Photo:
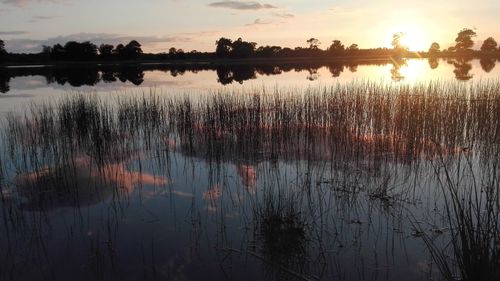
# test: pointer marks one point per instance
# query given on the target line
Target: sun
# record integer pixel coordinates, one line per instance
(413, 37)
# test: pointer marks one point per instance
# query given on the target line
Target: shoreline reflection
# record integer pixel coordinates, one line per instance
(136, 75)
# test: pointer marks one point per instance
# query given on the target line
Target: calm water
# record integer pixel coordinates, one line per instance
(171, 191)
(22, 85)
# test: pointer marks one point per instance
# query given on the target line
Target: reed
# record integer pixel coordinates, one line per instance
(350, 139)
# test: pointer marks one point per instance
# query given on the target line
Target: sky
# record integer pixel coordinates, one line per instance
(26, 25)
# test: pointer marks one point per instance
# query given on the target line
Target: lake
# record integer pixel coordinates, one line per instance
(22, 84)
(337, 171)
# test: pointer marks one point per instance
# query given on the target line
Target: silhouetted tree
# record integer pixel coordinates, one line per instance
(489, 45)
(269, 51)
(80, 51)
(119, 49)
(464, 39)
(180, 54)
(2, 46)
(353, 47)
(336, 47)
(57, 52)
(106, 50)
(242, 49)
(434, 48)
(172, 53)
(132, 50)
(46, 49)
(224, 47)
(451, 49)
(396, 41)
(399, 49)
(313, 43)
(3, 52)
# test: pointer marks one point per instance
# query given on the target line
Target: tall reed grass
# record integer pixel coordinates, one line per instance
(351, 131)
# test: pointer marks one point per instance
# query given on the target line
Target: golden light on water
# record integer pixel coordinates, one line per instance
(415, 70)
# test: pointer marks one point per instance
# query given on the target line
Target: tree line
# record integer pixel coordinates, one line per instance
(239, 49)
(464, 43)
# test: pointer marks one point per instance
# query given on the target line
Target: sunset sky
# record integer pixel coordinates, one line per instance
(26, 25)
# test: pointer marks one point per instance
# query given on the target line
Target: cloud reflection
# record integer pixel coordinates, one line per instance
(80, 182)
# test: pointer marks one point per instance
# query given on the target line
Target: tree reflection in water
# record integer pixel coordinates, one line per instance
(226, 73)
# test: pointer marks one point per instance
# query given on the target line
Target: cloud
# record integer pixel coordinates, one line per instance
(241, 5)
(24, 3)
(42, 18)
(283, 15)
(259, 22)
(14, 32)
(35, 46)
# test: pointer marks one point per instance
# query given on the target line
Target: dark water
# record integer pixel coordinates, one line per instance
(348, 184)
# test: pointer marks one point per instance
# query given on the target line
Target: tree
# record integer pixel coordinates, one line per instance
(46, 49)
(3, 52)
(106, 50)
(132, 50)
(224, 47)
(353, 47)
(336, 46)
(119, 49)
(489, 45)
(313, 43)
(268, 51)
(434, 48)
(2, 47)
(464, 39)
(58, 52)
(79, 51)
(396, 41)
(243, 49)
(174, 53)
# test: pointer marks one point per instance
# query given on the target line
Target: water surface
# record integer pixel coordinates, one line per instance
(248, 174)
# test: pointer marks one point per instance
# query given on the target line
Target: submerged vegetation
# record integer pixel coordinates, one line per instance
(328, 174)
